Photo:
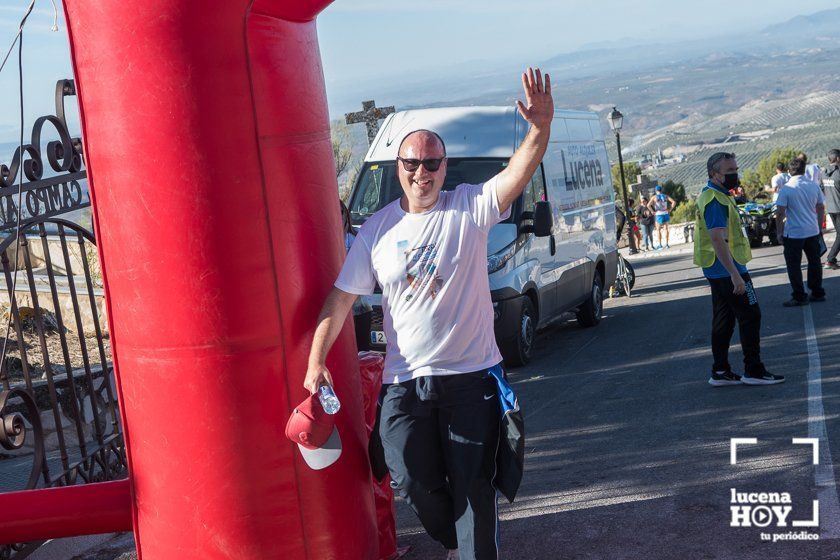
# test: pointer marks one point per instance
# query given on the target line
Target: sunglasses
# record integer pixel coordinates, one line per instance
(412, 165)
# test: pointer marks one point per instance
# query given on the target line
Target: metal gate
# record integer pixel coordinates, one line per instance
(59, 420)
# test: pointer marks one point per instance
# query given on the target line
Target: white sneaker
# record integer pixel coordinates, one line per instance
(452, 554)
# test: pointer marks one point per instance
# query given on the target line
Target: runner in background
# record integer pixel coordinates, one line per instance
(661, 204)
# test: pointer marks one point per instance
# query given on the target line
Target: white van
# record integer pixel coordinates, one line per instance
(557, 250)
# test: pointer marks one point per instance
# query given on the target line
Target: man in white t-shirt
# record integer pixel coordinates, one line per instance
(440, 412)
(799, 214)
(812, 170)
(779, 179)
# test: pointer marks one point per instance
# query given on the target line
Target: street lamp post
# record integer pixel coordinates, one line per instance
(616, 119)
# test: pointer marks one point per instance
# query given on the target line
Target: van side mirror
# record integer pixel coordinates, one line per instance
(542, 220)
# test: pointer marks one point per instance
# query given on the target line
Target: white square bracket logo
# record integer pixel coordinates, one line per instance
(746, 511)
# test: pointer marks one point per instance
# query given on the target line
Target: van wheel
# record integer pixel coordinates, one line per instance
(589, 314)
(518, 351)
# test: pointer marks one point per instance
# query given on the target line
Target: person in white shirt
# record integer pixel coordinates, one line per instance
(799, 217)
(812, 170)
(440, 414)
(779, 179)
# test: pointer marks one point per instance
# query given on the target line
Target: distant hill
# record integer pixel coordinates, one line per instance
(748, 94)
(821, 24)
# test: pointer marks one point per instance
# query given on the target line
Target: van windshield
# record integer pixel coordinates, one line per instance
(378, 185)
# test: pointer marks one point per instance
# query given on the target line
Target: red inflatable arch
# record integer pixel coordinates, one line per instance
(215, 205)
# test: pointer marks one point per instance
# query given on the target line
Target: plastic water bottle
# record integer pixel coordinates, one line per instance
(328, 399)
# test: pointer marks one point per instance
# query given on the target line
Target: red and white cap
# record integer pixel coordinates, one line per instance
(315, 433)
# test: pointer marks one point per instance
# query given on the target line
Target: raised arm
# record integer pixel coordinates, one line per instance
(538, 110)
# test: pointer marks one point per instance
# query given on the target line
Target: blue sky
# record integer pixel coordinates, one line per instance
(367, 43)
(361, 37)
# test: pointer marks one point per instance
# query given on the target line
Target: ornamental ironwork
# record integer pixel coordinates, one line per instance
(59, 419)
(49, 180)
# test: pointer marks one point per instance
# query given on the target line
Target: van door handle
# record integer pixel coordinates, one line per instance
(552, 245)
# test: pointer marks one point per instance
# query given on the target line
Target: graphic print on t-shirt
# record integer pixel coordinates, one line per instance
(421, 270)
(660, 204)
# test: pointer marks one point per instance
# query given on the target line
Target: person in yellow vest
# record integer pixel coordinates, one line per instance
(722, 250)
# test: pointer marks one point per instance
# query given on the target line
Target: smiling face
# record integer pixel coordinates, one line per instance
(421, 188)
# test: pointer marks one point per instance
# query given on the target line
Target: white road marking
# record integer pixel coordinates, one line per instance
(824, 471)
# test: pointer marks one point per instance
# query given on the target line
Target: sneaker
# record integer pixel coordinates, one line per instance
(816, 298)
(452, 554)
(831, 265)
(793, 302)
(765, 378)
(667, 246)
(724, 379)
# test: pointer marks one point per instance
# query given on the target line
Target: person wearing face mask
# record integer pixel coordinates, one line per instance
(722, 250)
(831, 186)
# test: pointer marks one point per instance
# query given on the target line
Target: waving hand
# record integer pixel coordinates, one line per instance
(538, 108)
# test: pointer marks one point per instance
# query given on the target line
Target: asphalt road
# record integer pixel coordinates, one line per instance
(628, 447)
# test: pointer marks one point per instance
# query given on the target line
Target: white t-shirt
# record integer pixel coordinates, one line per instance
(813, 173)
(777, 182)
(800, 197)
(436, 307)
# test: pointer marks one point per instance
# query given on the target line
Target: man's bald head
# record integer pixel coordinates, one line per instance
(424, 135)
(421, 169)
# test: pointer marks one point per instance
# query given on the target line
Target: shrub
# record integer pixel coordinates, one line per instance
(685, 212)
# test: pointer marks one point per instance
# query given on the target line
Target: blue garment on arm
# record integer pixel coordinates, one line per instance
(716, 215)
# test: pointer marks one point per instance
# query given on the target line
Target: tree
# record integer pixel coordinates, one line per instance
(674, 190)
(754, 180)
(631, 170)
(752, 183)
(345, 187)
(341, 145)
(686, 212)
(766, 168)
